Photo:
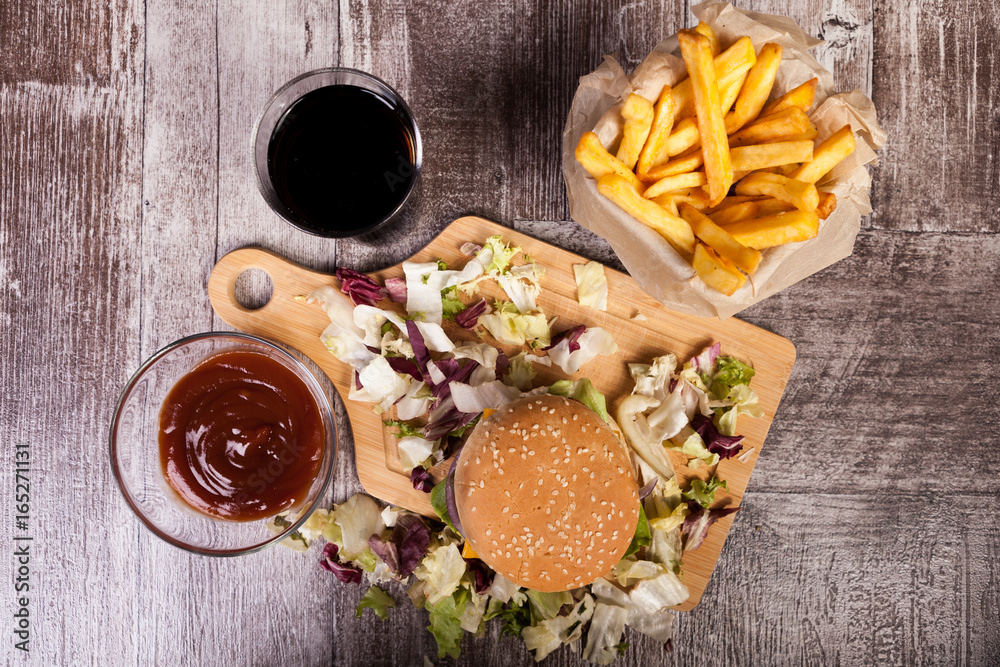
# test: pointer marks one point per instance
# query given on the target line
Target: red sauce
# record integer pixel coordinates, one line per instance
(241, 437)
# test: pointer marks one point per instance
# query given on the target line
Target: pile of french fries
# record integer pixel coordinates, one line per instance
(680, 156)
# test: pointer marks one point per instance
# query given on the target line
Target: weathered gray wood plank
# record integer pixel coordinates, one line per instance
(936, 68)
(876, 497)
(70, 193)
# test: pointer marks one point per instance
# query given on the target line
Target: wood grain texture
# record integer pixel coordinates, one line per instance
(939, 104)
(876, 495)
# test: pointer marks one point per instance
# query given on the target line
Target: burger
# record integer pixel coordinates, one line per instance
(545, 493)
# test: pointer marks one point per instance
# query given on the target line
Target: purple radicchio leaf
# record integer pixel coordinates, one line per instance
(412, 537)
(450, 445)
(482, 575)
(648, 489)
(726, 446)
(573, 335)
(503, 363)
(446, 418)
(469, 318)
(387, 551)
(697, 523)
(470, 249)
(406, 546)
(421, 479)
(397, 289)
(357, 382)
(348, 574)
(449, 496)
(705, 362)
(452, 373)
(420, 352)
(358, 286)
(405, 367)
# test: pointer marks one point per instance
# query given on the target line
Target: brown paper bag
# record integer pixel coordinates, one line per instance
(653, 263)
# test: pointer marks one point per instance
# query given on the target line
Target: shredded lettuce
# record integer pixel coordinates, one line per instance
(512, 327)
(358, 518)
(446, 622)
(703, 493)
(592, 342)
(585, 392)
(377, 600)
(591, 285)
(729, 373)
(642, 535)
(496, 255)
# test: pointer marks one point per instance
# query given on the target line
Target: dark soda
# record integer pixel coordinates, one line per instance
(341, 159)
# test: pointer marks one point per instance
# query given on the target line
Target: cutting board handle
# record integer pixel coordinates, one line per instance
(284, 275)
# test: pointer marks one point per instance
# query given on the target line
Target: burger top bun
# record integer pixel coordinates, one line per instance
(546, 494)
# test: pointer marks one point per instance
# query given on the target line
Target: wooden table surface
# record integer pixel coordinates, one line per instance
(869, 532)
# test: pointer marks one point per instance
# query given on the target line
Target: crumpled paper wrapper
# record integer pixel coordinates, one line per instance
(651, 261)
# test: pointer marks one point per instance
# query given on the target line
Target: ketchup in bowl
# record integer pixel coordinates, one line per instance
(241, 437)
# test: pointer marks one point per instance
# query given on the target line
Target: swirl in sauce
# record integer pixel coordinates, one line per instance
(241, 437)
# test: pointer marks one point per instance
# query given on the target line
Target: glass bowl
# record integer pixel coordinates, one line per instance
(293, 91)
(135, 450)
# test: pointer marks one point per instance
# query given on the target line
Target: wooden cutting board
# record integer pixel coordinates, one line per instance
(642, 327)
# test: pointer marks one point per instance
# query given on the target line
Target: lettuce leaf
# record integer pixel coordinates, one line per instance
(642, 535)
(446, 622)
(704, 493)
(585, 392)
(591, 285)
(729, 373)
(377, 600)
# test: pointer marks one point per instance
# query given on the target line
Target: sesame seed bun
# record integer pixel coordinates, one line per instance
(546, 493)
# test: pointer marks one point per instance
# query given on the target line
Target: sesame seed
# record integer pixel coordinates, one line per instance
(548, 510)
(575, 416)
(555, 492)
(477, 460)
(500, 470)
(540, 482)
(514, 425)
(583, 429)
(564, 420)
(506, 509)
(621, 514)
(531, 452)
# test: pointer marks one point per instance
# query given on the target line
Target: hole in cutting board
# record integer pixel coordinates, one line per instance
(253, 289)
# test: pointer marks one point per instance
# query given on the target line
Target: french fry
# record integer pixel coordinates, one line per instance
(732, 200)
(686, 135)
(799, 194)
(716, 272)
(638, 114)
(752, 209)
(598, 162)
(778, 229)
(678, 165)
(774, 127)
(762, 156)
(785, 125)
(827, 155)
(800, 97)
(827, 205)
(674, 229)
(692, 179)
(697, 54)
(696, 197)
(735, 213)
(659, 131)
(713, 39)
(721, 241)
(757, 88)
(730, 65)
